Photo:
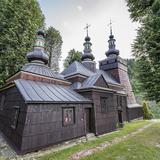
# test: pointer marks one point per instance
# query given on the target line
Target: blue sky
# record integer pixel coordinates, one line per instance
(71, 16)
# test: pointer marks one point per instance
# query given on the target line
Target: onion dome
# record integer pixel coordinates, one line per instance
(112, 47)
(38, 54)
(87, 56)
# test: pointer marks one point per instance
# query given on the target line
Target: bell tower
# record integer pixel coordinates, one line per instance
(117, 67)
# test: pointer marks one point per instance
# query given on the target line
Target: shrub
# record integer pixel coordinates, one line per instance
(147, 114)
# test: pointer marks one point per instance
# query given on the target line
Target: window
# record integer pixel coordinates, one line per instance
(15, 117)
(104, 105)
(68, 116)
(2, 102)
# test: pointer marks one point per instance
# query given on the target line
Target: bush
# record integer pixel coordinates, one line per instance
(147, 114)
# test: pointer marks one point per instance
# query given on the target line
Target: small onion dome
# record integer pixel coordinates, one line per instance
(112, 51)
(111, 36)
(87, 38)
(41, 32)
(87, 56)
(39, 55)
(87, 49)
(112, 47)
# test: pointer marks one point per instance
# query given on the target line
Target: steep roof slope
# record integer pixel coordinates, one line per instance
(76, 68)
(40, 92)
(92, 80)
(40, 69)
(109, 78)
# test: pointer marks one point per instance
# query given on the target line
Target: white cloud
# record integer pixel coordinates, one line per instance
(80, 8)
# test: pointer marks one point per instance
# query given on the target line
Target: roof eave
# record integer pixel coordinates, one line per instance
(75, 75)
(96, 89)
(58, 102)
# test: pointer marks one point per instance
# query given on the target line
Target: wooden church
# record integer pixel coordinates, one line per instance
(39, 108)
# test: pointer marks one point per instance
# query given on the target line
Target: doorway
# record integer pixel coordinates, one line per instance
(88, 120)
(120, 118)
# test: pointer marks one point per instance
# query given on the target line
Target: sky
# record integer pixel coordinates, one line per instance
(71, 16)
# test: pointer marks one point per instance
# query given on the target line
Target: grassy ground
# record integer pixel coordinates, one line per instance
(66, 153)
(143, 146)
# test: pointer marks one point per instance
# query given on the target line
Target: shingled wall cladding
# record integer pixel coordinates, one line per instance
(135, 113)
(44, 125)
(12, 98)
(104, 122)
(123, 106)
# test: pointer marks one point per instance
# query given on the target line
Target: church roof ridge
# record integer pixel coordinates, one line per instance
(76, 68)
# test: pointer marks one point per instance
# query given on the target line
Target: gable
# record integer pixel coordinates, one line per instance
(101, 82)
(95, 80)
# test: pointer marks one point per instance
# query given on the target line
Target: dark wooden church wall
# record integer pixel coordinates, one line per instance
(105, 122)
(88, 94)
(135, 113)
(12, 99)
(44, 125)
(124, 108)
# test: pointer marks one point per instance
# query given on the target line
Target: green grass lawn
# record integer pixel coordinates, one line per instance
(66, 153)
(143, 146)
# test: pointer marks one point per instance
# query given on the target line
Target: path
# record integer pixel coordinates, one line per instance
(7, 152)
(103, 146)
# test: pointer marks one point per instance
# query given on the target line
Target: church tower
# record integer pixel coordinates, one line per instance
(117, 67)
(87, 57)
(38, 55)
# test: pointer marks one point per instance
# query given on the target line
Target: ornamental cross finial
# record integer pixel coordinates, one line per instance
(86, 28)
(110, 25)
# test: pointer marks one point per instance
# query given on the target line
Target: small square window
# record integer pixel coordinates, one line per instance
(68, 116)
(15, 117)
(104, 105)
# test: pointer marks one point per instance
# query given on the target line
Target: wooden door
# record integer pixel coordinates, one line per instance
(88, 120)
(120, 116)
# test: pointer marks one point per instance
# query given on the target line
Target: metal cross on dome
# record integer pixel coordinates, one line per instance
(110, 25)
(86, 28)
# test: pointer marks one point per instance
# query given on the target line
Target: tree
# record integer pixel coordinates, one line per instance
(133, 73)
(146, 46)
(73, 55)
(139, 8)
(146, 111)
(53, 47)
(19, 21)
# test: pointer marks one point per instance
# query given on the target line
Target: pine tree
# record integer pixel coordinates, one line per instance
(19, 21)
(146, 47)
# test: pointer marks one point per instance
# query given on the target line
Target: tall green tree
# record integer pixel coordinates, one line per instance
(73, 55)
(19, 20)
(133, 72)
(146, 47)
(53, 47)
